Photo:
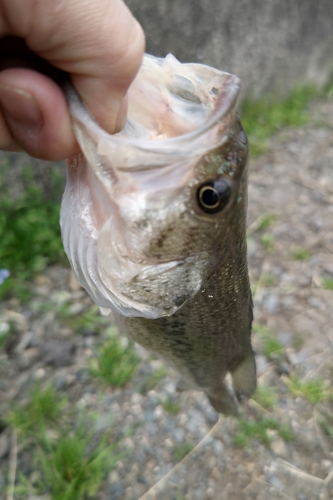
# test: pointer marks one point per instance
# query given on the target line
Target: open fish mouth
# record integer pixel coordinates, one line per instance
(126, 193)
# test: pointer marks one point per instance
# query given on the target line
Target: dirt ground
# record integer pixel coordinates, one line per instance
(291, 269)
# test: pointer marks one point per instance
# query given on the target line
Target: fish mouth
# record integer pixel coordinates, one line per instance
(157, 142)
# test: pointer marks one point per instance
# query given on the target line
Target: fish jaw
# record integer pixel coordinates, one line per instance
(127, 188)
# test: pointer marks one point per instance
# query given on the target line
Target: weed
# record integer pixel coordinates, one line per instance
(262, 118)
(116, 363)
(91, 321)
(271, 346)
(326, 423)
(328, 283)
(250, 429)
(266, 396)
(268, 280)
(71, 468)
(267, 239)
(313, 390)
(44, 406)
(300, 253)
(297, 341)
(182, 450)
(265, 221)
(29, 234)
(170, 406)
(153, 379)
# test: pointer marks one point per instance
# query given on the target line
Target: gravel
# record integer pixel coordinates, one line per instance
(293, 182)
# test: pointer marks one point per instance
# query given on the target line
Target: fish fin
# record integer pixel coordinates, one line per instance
(222, 401)
(244, 378)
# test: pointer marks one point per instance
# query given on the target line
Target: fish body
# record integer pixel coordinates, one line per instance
(154, 223)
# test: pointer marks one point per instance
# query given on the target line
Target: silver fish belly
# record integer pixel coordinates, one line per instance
(153, 222)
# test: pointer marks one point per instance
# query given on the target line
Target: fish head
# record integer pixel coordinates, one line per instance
(147, 213)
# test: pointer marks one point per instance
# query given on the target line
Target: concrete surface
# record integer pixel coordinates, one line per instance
(272, 45)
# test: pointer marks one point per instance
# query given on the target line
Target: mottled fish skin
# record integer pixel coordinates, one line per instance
(145, 241)
(211, 334)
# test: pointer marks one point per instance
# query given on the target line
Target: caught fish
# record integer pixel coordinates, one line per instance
(153, 222)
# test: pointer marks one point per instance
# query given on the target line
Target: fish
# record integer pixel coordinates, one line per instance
(153, 222)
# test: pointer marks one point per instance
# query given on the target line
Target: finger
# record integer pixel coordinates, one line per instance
(99, 43)
(34, 116)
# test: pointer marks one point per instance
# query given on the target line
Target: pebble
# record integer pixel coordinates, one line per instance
(271, 303)
(58, 352)
(279, 448)
(24, 342)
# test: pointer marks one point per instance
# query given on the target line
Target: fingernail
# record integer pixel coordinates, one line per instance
(21, 110)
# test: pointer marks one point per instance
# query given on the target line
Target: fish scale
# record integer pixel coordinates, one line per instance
(154, 224)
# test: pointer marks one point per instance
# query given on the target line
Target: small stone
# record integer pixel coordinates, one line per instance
(76, 309)
(179, 435)
(4, 443)
(211, 416)
(29, 357)
(73, 284)
(58, 352)
(279, 448)
(60, 297)
(285, 338)
(4, 328)
(116, 491)
(39, 374)
(271, 303)
(24, 342)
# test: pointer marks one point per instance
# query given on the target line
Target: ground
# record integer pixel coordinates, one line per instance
(281, 446)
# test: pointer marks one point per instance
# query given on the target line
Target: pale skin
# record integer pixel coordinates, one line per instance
(100, 45)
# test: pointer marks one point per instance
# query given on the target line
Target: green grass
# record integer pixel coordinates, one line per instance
(314, 391)
(44, 406)
(170, 406)
(270, 345)
(266, 396)
(182, 450)
(69, 458)
(300, 253)
(328, 283)
(73, 469)
(265, 221)
(29, 234)
(267, 240)
(250, 429)
(116, 363)
(263, 118)
(153, 379)
(268, 280)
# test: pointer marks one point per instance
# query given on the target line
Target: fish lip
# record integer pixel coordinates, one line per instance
(225, 103)
(80, 113)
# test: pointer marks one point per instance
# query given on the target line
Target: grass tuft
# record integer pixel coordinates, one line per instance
(250, 429)
(271, 346)
(263, 118)
(266, 396)
(300, 254)
(116, 362)
(29, 234)
(44, 406)
(328, 283)
(71, 469)
(182, 450)
(314, 391)
(267, 240)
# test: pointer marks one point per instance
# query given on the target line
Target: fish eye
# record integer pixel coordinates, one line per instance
(213, 196)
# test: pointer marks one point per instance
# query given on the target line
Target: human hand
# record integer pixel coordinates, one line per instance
(100, 45)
